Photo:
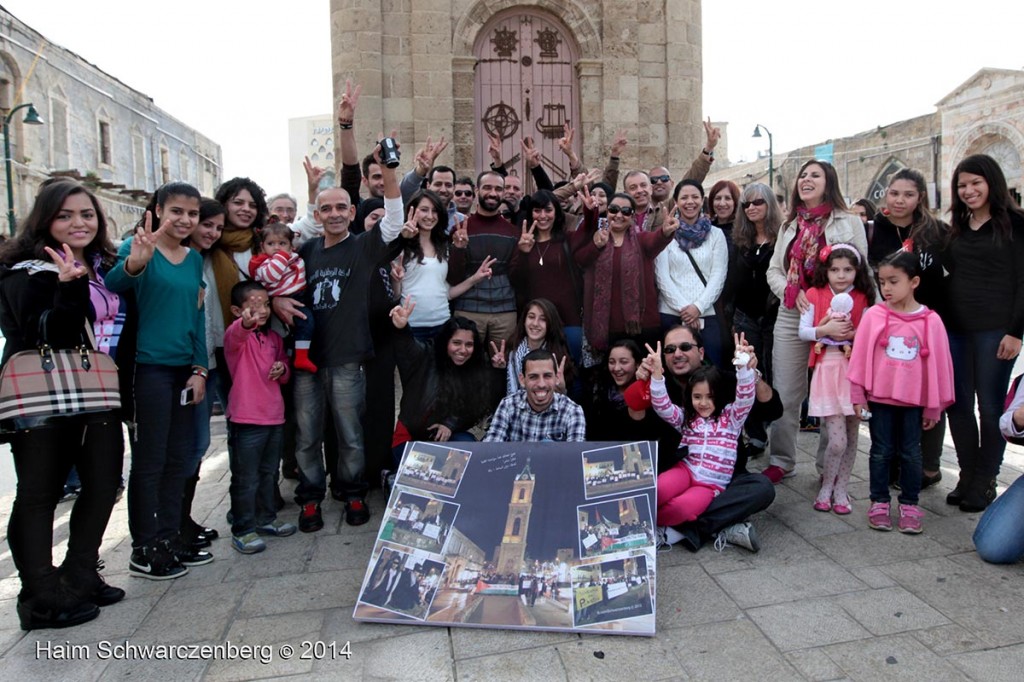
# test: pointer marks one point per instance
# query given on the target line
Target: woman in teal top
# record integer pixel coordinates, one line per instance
(170, 376)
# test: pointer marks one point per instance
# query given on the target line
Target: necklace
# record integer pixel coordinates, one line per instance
(544, 252)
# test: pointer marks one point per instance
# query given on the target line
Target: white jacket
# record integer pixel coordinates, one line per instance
(678, 283)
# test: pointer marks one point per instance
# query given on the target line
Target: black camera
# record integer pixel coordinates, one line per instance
(389, 154)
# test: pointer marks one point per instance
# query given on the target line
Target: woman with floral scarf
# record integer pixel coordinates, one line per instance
(818, 216)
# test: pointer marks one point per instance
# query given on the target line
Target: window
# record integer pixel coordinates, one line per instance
(517, 526)
(58, 128)
(165, 165)
(138, 160)
(106, 156)
(183, 173)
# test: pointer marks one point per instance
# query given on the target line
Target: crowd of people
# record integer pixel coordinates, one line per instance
(578, 311)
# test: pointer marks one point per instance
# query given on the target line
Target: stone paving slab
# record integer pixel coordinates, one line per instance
(825, 599)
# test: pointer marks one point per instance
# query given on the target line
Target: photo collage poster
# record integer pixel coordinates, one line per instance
(529, 536)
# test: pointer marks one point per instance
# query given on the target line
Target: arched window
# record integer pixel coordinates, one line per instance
(517, 526)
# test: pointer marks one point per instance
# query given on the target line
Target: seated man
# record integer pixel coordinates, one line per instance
(538, 412)
(725, 519)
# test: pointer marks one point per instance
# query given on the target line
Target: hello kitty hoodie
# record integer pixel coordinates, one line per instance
(902, 359)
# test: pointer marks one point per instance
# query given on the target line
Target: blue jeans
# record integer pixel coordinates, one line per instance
(204, 413)
(999, 537)
(711, 334)
(977, 371)
(338, 393)
(164, 440)
(895, 430)
(254, 452)
(425, 334)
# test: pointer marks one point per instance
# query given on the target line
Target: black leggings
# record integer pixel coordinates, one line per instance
(42, 459)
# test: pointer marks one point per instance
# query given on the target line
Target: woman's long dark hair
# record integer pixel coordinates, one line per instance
(543, 198)
(34, 233)
(162, 195)
(1000, 203)
(411, 248)
(926, 230)
(463, 391)
(554, 340)
(227, 191)
(833, 194)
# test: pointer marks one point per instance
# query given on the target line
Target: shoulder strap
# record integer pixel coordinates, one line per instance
(696, 268)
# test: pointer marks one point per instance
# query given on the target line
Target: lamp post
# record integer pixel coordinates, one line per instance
(31, 118)
(771, 154)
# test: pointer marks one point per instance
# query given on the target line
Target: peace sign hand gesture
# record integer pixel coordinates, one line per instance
(560, 375)
(347, 103)
(498, 360)
(314, 174)
(68, 269)
(494, 149)
(460, 237)
(653, 360)
(410, 229)
(565, 144)
(143, 244)
(527, 240)
(401, 312)
(670, 225)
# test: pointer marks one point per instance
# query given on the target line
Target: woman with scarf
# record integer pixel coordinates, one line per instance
(691, 273)
(818, 215)
(620, 298)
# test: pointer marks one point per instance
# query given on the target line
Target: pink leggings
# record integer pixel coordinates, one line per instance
(680, 497)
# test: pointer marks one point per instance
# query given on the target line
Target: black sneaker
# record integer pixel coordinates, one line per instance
(310, 518)
(187, 555)
(356, 512)
(58, 608)
(155, 563)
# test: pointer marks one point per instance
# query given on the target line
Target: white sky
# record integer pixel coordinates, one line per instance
(238, 70)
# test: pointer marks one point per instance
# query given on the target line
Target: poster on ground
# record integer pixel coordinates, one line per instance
(527, 536)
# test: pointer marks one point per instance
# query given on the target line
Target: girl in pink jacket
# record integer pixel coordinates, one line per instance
(901, 371)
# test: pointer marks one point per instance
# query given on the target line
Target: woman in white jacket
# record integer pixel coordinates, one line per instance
(818, 215)
(691, 271)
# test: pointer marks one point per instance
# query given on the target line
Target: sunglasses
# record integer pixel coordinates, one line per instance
(463, 192)
(685, 347)
(753, 202)
(624, 210)
(661, 178)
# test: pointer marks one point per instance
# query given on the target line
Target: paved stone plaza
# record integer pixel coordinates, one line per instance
(826, 599)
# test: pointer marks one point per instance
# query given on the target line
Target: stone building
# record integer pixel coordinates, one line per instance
(985, 114)
(512, 68)
(96, 129)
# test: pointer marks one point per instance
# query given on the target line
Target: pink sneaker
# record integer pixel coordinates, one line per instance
(775, 473)
(910, 519)
(878, 516)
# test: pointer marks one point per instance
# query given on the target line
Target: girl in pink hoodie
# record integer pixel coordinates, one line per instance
(901, 371)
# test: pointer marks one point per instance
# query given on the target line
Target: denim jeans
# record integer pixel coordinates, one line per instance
(337, 393)
(42, 459)
(977, 371)
(999, 537)
(711, 334)
(895, 431)
(254, 452)
(164, 441)
(204, 413)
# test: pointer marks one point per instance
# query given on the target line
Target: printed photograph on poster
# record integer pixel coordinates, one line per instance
(433, 468)
(510, 539)
(611, 591)
(401, 582)
(617, 469)
(418, 522)
(616, 525)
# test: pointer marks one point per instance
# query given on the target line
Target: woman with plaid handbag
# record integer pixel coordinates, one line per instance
(54, 266)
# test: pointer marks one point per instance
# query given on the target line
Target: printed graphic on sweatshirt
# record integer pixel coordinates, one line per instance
(903, 348)
(327, 285)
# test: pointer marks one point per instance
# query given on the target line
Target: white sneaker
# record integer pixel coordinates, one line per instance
(739, 534)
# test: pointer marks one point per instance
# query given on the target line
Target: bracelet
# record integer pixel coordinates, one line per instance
(345, 126)
(709, 154)
(200, 372)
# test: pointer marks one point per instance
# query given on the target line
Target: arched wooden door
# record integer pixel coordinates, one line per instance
(525, 86)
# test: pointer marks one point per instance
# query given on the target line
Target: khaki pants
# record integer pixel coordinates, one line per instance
(492, 327)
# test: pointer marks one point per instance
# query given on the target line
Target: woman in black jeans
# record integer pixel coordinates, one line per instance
(55, 266)
(757, 225)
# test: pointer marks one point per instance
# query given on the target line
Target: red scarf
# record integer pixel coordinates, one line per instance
(803, 251)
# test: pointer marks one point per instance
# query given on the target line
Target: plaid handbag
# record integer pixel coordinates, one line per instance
(38, 385)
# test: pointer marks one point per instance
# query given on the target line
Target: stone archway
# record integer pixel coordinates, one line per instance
(1001, 141)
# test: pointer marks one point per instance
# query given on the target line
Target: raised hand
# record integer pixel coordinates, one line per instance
(397, 271)
(401, 312)
(494, 149)
(744, 349)
(560, 375)
(314, 174)
(670, 225)
(411, 228)
(68, 269)
(248, 317)
(619, 143)
(143, 245)
(565, 145)
(584, 193)
(460, 236)
(527, 240)
(712, 134)
(498, 360)
(484, 271)
(530, 153)
(347, 103)
(653, 361)
(601, 238)
(377, 150)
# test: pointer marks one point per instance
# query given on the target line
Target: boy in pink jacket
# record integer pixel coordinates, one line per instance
(258, 365)
(901, 377)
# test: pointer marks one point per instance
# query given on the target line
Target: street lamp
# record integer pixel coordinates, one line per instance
(32, 118)
(771, 154)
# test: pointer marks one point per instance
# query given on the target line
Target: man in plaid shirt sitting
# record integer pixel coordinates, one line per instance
(538, 412)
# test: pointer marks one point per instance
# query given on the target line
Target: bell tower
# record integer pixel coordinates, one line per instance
(512, 551)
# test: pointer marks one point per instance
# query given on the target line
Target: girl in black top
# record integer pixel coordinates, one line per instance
(985, 319)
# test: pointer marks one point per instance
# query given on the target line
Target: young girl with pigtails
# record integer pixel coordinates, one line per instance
(841, 289)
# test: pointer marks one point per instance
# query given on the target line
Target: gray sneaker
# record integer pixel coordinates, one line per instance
(250, 543)
(661, 540)
(739, 534)
(277, 528)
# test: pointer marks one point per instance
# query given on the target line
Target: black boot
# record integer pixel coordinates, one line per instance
(51, 605)
(979, 496)
(84, 580)
(956, 495)
(193, 533)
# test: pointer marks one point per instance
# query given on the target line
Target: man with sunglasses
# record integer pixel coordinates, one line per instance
(725, 520)
(462, 197)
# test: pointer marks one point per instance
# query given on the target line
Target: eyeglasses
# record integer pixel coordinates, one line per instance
(685, 347)
(661, 178)
(624, 210)
(463, 192)
(752, 202)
